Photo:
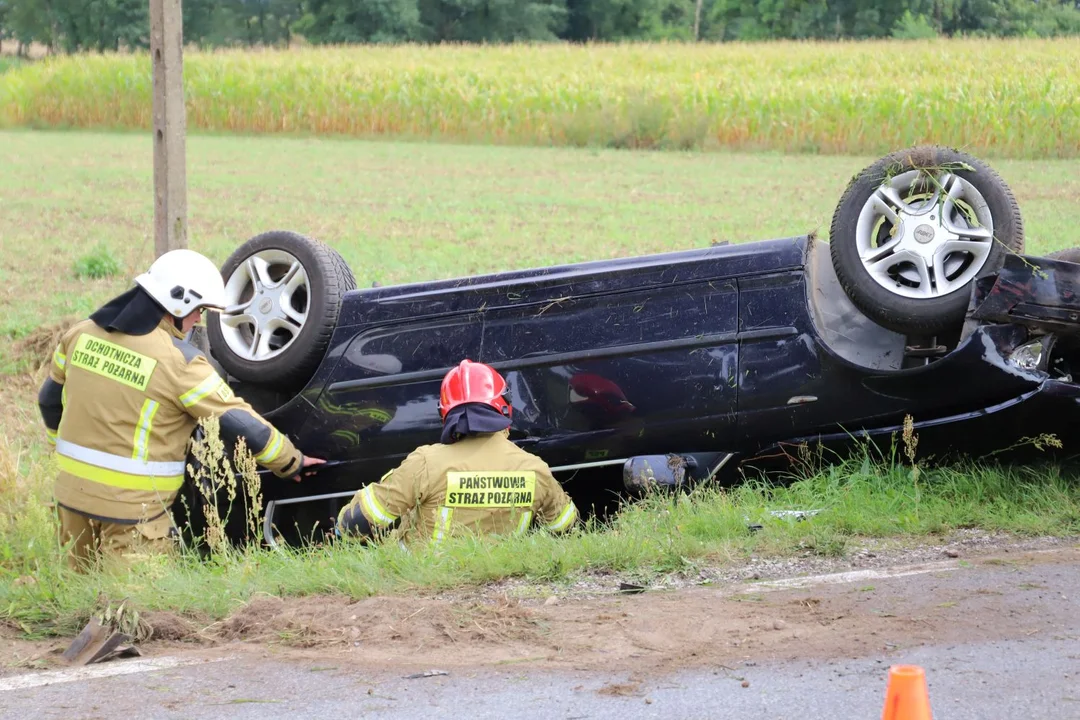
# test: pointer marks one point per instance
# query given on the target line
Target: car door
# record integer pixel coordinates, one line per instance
(604, 375)
(382, 398)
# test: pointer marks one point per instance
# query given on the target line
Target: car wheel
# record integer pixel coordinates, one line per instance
(284, 292)
(1068, 255)
(915, 229)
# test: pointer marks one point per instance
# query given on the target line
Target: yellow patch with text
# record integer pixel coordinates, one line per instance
(490, 489)
(112, 361)
(224, 392)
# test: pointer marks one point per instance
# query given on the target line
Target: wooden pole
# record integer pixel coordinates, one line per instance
(170, 175)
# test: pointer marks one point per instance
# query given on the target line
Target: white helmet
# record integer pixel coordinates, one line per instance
(182, 281)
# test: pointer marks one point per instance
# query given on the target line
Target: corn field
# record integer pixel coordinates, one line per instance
(1000, 98)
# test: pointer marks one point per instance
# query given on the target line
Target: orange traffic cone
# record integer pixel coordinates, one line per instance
(906, 697)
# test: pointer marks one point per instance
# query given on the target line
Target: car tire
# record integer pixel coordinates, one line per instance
(1068, 254)
(303, 283)
(908, 194)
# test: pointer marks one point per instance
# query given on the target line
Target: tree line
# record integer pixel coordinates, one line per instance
(67, 26)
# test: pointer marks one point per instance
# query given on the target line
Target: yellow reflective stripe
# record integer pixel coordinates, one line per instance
(63, 396)
(59, 358)
(118, 462)
(373, 508)
(197, 393)
(115, 478)
(442, 523)
(51, 436)
(141, 445)
(525, 521)
(273, 449)
(566, 517)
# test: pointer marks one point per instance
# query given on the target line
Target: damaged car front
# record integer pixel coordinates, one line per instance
(1005, 390)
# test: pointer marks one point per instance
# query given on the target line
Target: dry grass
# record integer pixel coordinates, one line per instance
(35, 349)
(10, 456)
(1011, 98)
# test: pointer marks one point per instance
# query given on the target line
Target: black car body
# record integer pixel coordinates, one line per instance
(725, 355)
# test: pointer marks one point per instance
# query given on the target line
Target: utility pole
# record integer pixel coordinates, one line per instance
(170, 175)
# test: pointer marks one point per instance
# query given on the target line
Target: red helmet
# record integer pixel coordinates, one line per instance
(473, 382)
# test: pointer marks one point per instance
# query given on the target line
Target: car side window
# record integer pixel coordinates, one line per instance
(432, 344)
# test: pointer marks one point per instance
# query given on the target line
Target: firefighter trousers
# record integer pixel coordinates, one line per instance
(91, 538)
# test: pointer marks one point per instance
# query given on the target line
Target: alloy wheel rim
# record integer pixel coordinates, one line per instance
(924, 235)
(268, 298)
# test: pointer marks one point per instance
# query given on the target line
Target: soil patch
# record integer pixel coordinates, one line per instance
(36, 348)
(170, 627)
(18, 655)
(381, 622)
(720, 628)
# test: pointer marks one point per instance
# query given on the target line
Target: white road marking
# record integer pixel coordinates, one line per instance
(894, 572)
(94, 672)
(851, 576)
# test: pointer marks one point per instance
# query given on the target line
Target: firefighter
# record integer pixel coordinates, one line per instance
(121, 401)
(475, 479)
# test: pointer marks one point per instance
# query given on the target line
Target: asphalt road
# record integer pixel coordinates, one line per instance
(1035, 675)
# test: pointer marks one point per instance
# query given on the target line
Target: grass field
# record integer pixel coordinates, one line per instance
(1001, 98)
(403, 212)
(9, 63)
(76, 219)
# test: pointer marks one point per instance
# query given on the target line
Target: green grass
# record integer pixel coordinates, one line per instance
(661, 535)
(96, 264)
(9, 63)
(1003, 98)
(401, 212)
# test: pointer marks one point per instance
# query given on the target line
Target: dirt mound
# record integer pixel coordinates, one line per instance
(37, 347)
(379, 622)
(170, 627)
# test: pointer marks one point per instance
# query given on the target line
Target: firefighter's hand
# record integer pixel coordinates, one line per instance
(307, 462)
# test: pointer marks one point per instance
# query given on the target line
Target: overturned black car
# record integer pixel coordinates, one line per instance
(720, 357)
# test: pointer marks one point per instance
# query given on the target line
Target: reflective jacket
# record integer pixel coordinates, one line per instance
(120, 410)
(484, 483)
